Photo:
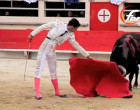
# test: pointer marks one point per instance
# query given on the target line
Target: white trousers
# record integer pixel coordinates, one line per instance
(46, 50)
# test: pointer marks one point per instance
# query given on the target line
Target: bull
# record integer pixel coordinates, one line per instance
(126, 54)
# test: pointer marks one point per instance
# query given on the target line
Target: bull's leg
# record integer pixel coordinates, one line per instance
(136, 80)
(130, 80)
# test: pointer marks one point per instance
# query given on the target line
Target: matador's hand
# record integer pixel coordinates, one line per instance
(90, 57)
(30, 37)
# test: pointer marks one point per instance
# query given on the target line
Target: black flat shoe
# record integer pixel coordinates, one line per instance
(127, 96)
(38, 98)
(63, 96)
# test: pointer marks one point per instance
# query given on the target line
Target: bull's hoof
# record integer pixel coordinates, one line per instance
(130, 89)
(136, 86)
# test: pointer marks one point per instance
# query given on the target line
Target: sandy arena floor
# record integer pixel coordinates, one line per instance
(17, 94)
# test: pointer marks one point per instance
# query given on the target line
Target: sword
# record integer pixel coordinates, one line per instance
(27, 60)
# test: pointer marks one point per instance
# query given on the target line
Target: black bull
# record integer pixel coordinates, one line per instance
(126, 54)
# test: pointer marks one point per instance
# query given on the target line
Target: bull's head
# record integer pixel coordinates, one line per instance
(130, 45)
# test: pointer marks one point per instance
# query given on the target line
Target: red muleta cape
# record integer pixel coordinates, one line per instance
(95, 77)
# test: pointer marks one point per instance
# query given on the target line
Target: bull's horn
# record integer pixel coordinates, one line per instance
(123, 69)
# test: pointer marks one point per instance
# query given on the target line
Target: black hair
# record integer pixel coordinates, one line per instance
(74, 22)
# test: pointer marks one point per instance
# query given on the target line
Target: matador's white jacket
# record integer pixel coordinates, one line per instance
(57, 28)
